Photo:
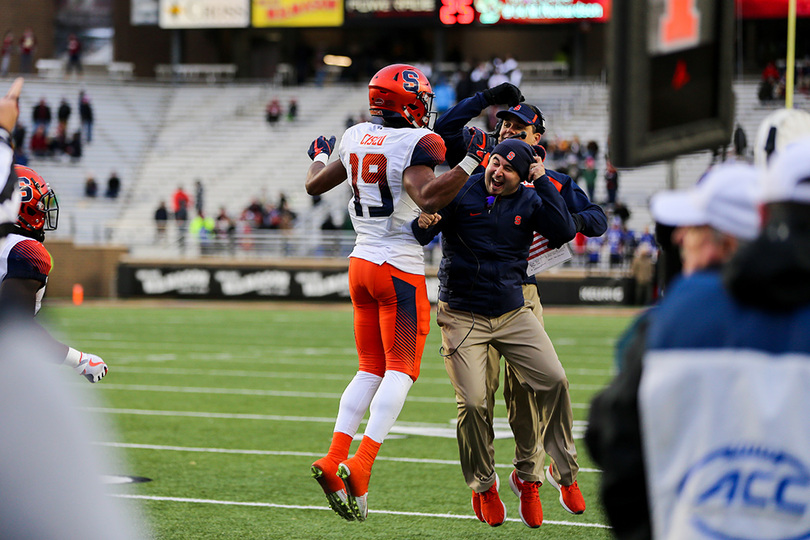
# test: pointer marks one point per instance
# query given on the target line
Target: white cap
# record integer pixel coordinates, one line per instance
(725, 199)
(788, 176)
(777, 130)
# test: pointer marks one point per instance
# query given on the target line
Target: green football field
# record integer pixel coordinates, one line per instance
(224, 407)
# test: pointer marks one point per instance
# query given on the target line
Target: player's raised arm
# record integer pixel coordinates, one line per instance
(320, 176)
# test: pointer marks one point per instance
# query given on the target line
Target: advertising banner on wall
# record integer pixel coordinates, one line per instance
(399, 11)
(323, 284)
(278, 13)
(523, 11)
(204, 14)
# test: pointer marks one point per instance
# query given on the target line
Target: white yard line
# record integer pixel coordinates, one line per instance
(167, 448)
(303, 507)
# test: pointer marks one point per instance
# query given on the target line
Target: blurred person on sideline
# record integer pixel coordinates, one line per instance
(28, 48)
(74, 50)
(86, 115)
(711, 220)
(390, 165)
(481, 304)
(9, 192)
(6, 49)
(25, 264)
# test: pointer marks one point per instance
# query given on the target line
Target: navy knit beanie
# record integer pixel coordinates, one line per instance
(519, 154)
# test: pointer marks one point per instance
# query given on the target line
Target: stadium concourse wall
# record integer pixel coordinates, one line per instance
(93, 267)
(321, 280)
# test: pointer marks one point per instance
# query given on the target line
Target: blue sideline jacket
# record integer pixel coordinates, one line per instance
(485, 246)
(706, 432)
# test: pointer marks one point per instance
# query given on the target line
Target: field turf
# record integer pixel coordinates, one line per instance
(225, 407)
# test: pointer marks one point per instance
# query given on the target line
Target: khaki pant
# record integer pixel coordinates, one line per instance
(524, 418)
(521, 339)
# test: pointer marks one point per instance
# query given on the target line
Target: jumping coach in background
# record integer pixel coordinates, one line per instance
(390, 166)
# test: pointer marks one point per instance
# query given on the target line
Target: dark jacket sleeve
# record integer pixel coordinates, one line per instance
(614, 441)
(594, 218)
(424, 236)
(450, 126)
(552, 219)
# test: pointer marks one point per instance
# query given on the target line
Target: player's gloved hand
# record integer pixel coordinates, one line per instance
(92, 367)
(477, 145)
(321, 145)
(504, 94)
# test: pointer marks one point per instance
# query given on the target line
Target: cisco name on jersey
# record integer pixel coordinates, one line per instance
(381, 211)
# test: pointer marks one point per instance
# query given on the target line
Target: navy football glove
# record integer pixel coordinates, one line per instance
(504, 94)
(539, 151)
(477, 146)
(321, 145)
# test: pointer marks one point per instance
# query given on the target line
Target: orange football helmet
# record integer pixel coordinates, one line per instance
(39, 209)
(402, 91)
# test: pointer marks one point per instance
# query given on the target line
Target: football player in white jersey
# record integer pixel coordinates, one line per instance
(25, 265)
(390, 165)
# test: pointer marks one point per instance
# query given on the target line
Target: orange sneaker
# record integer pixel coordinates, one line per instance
(355, 480)
(530, 510)
(492, 508)
(325, 472)
(570, 496)
(476, 505)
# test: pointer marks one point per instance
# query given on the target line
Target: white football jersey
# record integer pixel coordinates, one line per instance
(25, 258)
(375, 157)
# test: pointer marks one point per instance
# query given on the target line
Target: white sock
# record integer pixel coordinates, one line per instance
(355, 401)
(387, 404)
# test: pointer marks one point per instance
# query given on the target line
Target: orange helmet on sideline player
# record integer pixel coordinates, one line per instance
(39, 210)
(402, 91)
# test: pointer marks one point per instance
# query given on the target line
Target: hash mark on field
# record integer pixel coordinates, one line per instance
(293, 454)
(303, 507)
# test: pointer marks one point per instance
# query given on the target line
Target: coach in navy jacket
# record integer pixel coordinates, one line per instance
(486, 233)
(486, 236)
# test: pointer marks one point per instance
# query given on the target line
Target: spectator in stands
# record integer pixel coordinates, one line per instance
(611, 183)
(74, 49)
(161, 219)
(614, 240)
(63, 113)
(39, 142)
(28, 47)
(181, 220)
(180, 199)
(292, 110)
(18, 135)
(199, 196)
(90, 187)
(225, 230)
(58, 143)
(41, 115)
(6, 49)
(74, 146)
(86, 114)
(593, 247)
(643, 269)
(589, 175)
(113, 186)
(740, 142)
(202, 228)
(273, 112)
